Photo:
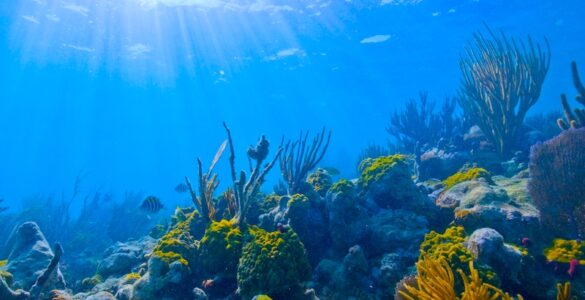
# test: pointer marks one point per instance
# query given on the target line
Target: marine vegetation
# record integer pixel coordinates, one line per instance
(435, 280)
(501, 80)
(299, 158)
(273, 263)
(557, 183)
(576, 118)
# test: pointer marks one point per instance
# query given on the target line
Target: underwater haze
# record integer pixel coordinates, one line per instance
(431, 126)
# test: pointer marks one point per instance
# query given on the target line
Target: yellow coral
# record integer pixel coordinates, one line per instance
(132, 277)
(465, 175)
(564, 291)
(435, 281)
(566, 250)
(375, 169)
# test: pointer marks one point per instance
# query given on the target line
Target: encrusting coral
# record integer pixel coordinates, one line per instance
(466, 174)
(273, 263)
(565, 251)
(221, 247)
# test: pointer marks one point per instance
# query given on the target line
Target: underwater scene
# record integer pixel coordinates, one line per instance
(292, 149)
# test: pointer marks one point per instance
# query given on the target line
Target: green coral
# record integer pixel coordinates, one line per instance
(272, 263)
(375, 169)
(179, 244)
(89, 283)
(221, 246)
(466, 175)
(320, 180)
(566, 250)
(342, 186)
(262, 297)
(298, 202)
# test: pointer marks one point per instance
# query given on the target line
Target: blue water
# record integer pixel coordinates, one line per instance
(130, 92)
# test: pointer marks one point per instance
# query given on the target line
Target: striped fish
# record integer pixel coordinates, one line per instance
(151, 204)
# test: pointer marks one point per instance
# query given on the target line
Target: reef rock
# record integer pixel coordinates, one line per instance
(309, 220)
(347, 216)
(388, 182)
(392, 231)
(436, 163)
(101, 296)
(488, 247)
(503, 205)
(29, 257)
(120, 258)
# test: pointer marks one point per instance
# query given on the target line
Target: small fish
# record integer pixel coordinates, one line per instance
(181, 188)
(526, 242)
(331, 170)
(572, 267)
(151, 204)
(207, 284)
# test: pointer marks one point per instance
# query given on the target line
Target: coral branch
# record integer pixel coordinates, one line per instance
(574, 118)
(300, 158)
(502, 79)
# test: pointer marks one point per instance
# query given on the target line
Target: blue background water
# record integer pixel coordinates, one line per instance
(132, 91)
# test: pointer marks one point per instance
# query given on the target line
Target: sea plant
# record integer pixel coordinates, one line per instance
(501, 80)
(300, 157)
(576, 118)
(466, 174)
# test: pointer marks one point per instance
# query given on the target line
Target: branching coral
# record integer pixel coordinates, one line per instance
(502, 79)
(300, 158)
(576, 118)
(208, 182)
(564, 291)
(246, 188)
(435, 281)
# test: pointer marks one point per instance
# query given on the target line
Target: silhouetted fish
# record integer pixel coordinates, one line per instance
(181, 188)
(331, 170)
(151, 204)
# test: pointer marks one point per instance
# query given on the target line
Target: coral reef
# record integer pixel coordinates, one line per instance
(501, 80)
(221, 247)
(273, 263)
(466, 174)
(379, 178)
(557, 183)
